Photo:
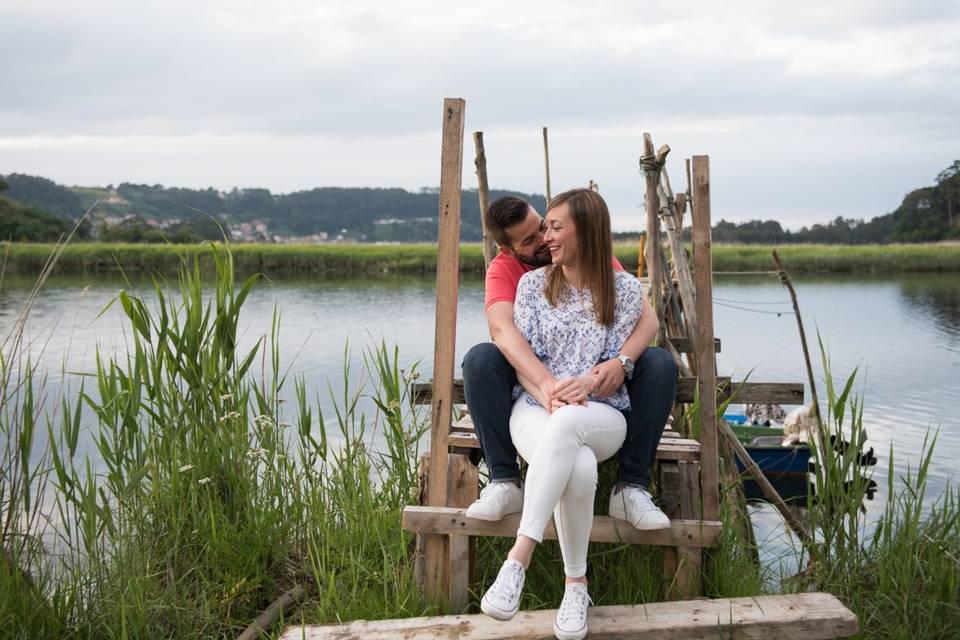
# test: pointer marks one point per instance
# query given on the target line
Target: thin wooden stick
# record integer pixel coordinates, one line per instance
(652, 206)
(258, 628)
(483, 191)
(792, 521)
(546, 164)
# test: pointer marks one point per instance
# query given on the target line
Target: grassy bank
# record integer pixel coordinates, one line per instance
(212, 497)
(274, 259)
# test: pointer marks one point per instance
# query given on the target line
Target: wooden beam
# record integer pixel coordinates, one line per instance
(483, 191)
(463, 487)
(651, 202)
(450, 520)
(448, 283)
(810, 616)
(706, 359)
(754, 392)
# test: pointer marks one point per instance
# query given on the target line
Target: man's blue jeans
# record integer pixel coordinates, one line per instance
(488, 381)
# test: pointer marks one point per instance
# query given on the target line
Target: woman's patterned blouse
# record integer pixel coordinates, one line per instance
(567, 338)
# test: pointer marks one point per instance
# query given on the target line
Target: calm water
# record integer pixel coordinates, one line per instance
(901, 332)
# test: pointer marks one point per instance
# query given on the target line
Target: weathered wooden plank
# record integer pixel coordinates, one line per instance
(685, 345)
(757, 392)
(463, 488)
(450, 520)
(651, 201)
(672, 448)
(800, 616)
(448, 282)
(706, 359)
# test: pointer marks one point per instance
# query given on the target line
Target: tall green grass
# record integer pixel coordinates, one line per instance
(371, 260)
(212, 496)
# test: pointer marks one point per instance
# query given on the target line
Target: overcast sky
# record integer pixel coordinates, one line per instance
(808, 110)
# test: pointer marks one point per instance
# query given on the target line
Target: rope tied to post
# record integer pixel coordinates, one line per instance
(650, 164)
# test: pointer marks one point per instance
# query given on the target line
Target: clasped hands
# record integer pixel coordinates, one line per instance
(603, 380)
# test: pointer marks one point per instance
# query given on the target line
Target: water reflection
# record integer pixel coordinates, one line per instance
(937, 299)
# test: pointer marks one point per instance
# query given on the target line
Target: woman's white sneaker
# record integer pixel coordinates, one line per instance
(571, 622)
(497, 500)
(635, 505)
(502, 599)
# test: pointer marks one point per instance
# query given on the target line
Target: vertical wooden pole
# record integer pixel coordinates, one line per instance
(642, 257)
(483, 191)
(651, 202)
(706, 358)
(546, 165)
(463, 487)
(448, 282)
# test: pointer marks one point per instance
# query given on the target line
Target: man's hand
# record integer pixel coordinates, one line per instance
(609, 374)
(573, 390)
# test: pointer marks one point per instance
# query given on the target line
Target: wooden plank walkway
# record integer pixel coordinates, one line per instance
(804, 616)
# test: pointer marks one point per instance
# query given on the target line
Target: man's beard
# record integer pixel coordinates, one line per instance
(537, 260)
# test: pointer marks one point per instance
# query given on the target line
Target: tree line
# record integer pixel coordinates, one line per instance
(38, 209)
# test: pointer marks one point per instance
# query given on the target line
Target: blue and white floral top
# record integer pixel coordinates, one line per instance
(567, 338)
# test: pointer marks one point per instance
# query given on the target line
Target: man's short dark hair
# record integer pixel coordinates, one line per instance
(504, 213)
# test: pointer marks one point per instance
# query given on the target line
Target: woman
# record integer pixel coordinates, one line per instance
(575, 313)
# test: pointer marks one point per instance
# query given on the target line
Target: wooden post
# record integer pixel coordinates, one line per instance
(706, 358)
(680, 499)
(463, 487)
(546, 165)
(642, 257)
(652, 205)
(448, 282)
(483, 190)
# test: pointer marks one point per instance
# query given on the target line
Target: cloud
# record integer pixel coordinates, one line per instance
(747, 80)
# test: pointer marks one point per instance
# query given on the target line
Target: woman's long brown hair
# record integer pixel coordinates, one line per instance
(591, 219)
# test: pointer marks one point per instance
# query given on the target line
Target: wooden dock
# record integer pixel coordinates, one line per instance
(804, 616)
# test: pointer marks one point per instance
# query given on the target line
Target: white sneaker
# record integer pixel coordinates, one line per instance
(571, 622)
(502, 599)
(497, 500)
(635, 505)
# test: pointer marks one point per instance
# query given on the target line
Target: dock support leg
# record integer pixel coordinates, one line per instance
(680, 498)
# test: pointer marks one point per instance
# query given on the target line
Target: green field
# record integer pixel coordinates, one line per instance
(361, 259)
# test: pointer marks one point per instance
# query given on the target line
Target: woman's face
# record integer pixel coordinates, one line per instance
(561, 236)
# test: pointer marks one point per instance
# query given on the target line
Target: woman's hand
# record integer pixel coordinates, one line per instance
(609, 377)
(572, 390)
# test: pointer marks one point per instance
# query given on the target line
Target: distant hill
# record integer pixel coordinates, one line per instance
(143, 211)
(363, 214)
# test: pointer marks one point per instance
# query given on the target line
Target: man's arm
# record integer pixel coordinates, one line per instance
(517, 351)
(610, 372)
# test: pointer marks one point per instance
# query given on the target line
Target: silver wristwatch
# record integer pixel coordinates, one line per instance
(627, 365)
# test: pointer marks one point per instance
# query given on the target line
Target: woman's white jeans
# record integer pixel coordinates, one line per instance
(562, 450)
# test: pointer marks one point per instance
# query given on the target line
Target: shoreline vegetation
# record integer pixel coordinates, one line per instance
(372, 260)
(212, 496)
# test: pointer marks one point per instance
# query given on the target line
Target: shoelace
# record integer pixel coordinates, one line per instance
(508, 583)
(577, 604)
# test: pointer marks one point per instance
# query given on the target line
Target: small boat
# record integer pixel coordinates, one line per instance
(785, 467)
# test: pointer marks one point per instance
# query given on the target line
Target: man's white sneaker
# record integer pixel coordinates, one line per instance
(497, 500)
(502, 599)
(571, 622)
(635, 505)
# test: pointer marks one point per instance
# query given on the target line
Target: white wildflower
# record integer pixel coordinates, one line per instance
(203, 480)
(186, 468)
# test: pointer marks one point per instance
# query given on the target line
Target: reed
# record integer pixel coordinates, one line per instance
(210, 496)
(374, 260)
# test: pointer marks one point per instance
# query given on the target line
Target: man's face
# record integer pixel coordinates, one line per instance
(526, 240)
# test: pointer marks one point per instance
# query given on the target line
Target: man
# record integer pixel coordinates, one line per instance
(490, 373)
